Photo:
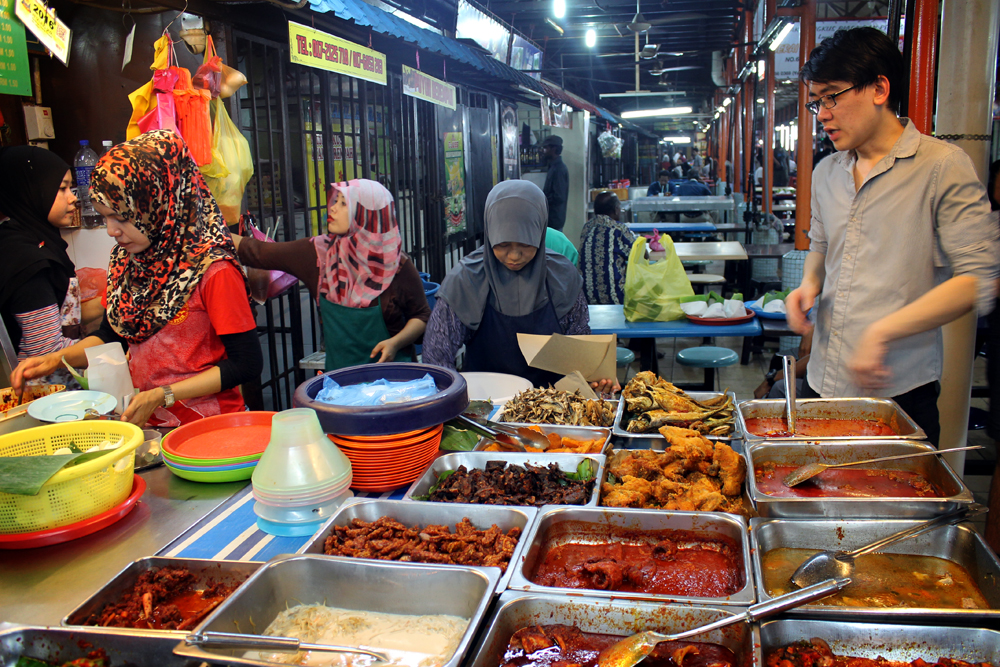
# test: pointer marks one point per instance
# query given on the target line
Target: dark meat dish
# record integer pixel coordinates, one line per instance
(817, 653)
(388, 539)
(844, 483)
(164, 599)
(777, 427)
(503, 484)
(665, 562)
(568, 646)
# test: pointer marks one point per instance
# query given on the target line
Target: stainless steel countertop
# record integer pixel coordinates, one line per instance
(40, 586)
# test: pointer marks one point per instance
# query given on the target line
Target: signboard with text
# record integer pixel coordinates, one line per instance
(315, 48)
(786, 58)
(43, 23)
(424, 87)
(14, 76)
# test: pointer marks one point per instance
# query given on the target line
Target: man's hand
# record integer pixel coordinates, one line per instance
(797, 304)
(867, 365)
(31, 368)
(142, 406)
(387, 349)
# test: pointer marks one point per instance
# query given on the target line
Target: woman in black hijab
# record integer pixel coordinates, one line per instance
(39, 293)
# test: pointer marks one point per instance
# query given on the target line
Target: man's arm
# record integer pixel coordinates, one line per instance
(560, 186)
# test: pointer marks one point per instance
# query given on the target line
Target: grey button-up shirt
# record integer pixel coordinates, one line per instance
(920, 216)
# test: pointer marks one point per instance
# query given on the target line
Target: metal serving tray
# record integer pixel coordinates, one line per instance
(932, 468)
(903, 643)
(960, 544)
(515, 610)
(377, 586)
(885, 409)
(577, 432)
(60, 645)
(560, 524)
(566, 462)
(504, 516)
(219, 570)
(656, 441)
(499, 417)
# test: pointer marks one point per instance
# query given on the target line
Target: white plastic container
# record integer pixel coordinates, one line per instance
(496, 387)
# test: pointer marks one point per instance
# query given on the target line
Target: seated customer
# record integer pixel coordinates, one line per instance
(604, 248)
(556, 241)
(657, 187)
(691, 188)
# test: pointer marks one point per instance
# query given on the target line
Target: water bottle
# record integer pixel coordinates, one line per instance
(83, 165)
(106, 146)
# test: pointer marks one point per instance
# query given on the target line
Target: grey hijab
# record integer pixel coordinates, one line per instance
(516, 212)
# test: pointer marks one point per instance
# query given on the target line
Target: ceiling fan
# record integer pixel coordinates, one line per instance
(660, 69)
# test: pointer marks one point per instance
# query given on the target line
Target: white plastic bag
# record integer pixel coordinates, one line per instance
(107, 371)
(379, 392)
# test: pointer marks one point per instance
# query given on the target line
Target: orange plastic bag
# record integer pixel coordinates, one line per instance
(193, 119)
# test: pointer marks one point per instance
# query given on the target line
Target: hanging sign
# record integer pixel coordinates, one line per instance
(50, 31)
(786, 58)
(14, 76)
(419, 85)
(315, 48)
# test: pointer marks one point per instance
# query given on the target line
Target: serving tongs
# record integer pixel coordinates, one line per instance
(841, 563)
(518, 438)
(788, 369)
(810, 470)
(632, 650)
(231, 640)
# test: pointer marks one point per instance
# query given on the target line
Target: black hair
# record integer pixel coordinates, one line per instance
(605, 203)
(663, 172)
(858, 56)
(991, 184)
(556, 148)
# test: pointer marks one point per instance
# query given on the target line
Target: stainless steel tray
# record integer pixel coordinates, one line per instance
(557, 525)
(484, 516)
(885, 409)
(578, 432)
(224, 570)
(932, 468)
(378, 586)
(515, 610)
(566, 462)
(60, 645)
(656, 441)
(499, 417)
(903, 643)
(959, 544)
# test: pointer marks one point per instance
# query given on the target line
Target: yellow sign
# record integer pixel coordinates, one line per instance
(50, 31)
(419, 85)
(314, 48)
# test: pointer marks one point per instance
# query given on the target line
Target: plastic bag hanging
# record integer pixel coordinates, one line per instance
(164, 115)
(143, 99)
(193, 118)
(232, 167)
(209, 74)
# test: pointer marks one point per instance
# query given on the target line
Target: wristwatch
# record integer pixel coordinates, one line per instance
(768, 377)
(168, 396)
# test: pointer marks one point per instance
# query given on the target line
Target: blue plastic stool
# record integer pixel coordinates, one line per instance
(709, 358)
(623, 359)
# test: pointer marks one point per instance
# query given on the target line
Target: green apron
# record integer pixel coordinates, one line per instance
(352, 333)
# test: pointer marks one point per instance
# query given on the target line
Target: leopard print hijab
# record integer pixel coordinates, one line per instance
(153, 182)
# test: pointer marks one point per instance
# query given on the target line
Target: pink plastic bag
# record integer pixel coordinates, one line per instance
(264, 284)
(164, 116)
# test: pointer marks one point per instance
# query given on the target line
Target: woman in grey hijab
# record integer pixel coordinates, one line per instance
(509, 286)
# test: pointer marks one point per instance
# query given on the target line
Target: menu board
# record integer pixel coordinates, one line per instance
(15, 78)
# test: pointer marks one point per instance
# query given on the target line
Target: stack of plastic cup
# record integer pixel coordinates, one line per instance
(302, 477)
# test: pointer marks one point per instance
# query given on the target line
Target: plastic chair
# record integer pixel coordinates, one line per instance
(623, 359)
(708, 357)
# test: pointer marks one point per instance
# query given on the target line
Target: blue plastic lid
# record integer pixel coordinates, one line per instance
(84, 142)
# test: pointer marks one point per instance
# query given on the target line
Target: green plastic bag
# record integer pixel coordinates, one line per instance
(653, 290)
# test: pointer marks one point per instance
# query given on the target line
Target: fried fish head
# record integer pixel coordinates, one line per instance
(732, 469)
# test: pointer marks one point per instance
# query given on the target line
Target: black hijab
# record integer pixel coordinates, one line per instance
(29, 182)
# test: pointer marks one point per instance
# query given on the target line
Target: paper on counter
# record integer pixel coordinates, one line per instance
(594, 355)
(107, 371)
(715, 310)
(694, 308)
(733, 308)
(575, 382)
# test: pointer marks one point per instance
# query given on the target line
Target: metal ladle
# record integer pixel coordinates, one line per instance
(230, 640)
(788, 368)
(632, 650)
(810, 470)
(828, 564)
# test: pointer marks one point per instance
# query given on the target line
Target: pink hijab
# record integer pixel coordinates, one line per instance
(356, 267)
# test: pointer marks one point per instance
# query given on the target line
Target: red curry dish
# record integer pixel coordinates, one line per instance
(817, 653)
(662, 562)
(845, 483)
(777, 427)
(568, 646)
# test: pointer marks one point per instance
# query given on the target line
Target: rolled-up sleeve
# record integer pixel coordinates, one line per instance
(817, 234)
(967, 229)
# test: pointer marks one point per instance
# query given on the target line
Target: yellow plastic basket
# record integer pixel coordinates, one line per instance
(75, 493)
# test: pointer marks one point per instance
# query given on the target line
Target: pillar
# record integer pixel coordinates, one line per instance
(804, 159)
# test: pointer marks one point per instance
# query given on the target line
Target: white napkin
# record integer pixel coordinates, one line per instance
(733, 308)
(694, 308)
(775, 306)
(715, 310)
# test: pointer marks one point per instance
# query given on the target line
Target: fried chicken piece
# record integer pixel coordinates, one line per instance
(688, 443)
(732, 469)
(632, 492)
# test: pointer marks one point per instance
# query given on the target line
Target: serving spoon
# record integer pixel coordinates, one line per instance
(788, 369)
(231, 640)
(810, 470)
(632, 650)
(826, 564)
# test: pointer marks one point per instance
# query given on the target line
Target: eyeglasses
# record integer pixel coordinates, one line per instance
(828, 101)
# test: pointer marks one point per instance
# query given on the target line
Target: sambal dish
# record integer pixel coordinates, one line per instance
(817, 653)
(777, 427)
(844, 483)
(567, 645)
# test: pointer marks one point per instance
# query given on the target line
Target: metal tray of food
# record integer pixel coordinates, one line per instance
(557, 525)
(566, 462)
(933, 468)
(959, 544)
(884, 409)
(902, 643)
(363, 585)
(654, 440)
(515, 610)
(59, 645)
(499, 417)
(601, 433)
(504, 517)
(229, 571)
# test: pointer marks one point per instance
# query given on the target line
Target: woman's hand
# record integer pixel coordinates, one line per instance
(142, 406)
(387, 349)
(31, 368)
(606, 386)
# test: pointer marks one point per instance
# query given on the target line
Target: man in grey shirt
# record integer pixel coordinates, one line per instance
(902, 237)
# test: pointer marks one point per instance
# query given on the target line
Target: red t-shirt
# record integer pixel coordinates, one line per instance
(190, 344)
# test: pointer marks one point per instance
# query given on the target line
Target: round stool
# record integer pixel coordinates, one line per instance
(696, 264)
(624, 356)
(708, 357)
(699, 281)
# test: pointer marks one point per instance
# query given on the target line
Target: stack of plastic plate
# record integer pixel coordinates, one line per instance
(386, 462)
(222, 448)
(301, 479)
